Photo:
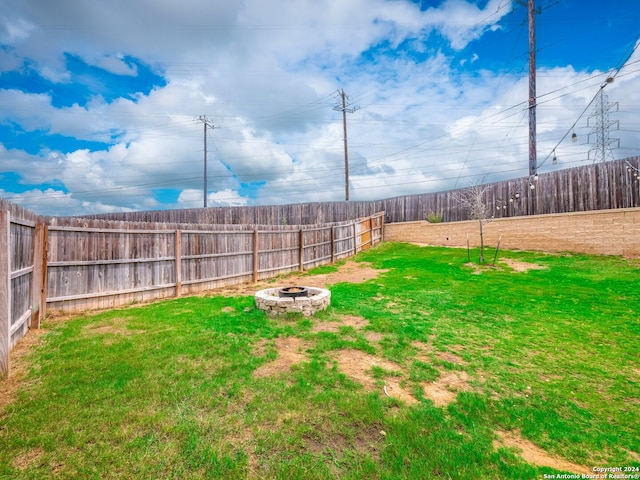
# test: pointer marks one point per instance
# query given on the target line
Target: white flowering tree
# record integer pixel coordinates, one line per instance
(474, 200)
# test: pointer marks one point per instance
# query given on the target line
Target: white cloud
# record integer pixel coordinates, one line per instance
(14, 30)
(51, 202)
(264, 71)
(114, 64)
(192, 198)
(462, 22)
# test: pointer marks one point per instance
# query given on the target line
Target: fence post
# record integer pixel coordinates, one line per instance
(5, 292)
(373, 221)
(44, 285)
(36, 280)
(301, 250)
(375, 224)
(355, 240)
(178, 250)
(333, 246)
(255, 255)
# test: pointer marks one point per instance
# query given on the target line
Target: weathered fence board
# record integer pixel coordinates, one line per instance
(5, 292)
(21, 241)
(211, 256)
(22, 261)
(92, 263)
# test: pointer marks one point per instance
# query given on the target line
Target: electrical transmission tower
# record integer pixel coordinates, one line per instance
(601, 125)
(344, 106)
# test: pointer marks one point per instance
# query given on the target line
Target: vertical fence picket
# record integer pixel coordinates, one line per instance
(5, 292)
(37, 279)
(177, 246)
(43, 287)
(301, 249)
(256, 252)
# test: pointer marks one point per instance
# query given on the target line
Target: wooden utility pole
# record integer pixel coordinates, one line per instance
(342, 106)
(531, 14)
(533, 158)
(205, 123)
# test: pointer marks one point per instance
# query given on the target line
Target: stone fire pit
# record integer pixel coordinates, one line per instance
(274, 302)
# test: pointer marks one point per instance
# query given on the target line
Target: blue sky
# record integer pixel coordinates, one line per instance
(99, 103)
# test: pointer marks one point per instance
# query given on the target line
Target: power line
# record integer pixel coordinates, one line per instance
(610, 78)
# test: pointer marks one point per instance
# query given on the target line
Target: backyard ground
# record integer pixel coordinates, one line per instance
(426, 365)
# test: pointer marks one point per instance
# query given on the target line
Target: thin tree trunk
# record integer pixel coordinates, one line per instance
(481, 243)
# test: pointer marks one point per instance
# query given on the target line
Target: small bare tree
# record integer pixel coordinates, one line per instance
(474, 200)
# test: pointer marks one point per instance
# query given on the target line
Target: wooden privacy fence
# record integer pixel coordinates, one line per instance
(92, 265)
(600, 186)
(21, 278)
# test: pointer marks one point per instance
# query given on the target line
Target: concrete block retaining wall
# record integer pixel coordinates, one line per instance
(604, 232)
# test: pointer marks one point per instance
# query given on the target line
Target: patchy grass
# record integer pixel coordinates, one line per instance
(431, 369)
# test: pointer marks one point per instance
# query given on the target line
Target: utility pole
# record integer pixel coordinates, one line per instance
(342, 106)
(205, 123)
(533, 158)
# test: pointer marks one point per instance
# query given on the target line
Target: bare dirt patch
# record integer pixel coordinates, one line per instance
(367, 442)
(357, 366)
(116, 326)
(260, 348)
(331, 327)
(290, 351)
(451, 358)
(445, 390)
(476, 268)
(633, 455)
(24, 460)
(531, 453)
(520, 266)
(421, 346)
(350, 272)
(354, 321)
(393, 389)
(373, 336)
(18, 367)
(345, 321)
(424, 349)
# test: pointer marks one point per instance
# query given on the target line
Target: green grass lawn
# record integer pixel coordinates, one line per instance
(210, 387)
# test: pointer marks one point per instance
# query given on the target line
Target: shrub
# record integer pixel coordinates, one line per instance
(434, 217)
